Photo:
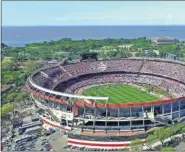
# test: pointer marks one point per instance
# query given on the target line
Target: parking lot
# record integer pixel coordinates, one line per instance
(56, 140)
(44, 141)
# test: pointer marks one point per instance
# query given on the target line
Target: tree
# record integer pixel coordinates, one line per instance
(170, 131)
(180, 128)
(137, 145)
(31, 66)
(161, 135)
(150, 140)
(151, 54)
(6, 109)
(21, 97)
(140, 53)
(3, 45)
(168, 149)
(8, 65)
(11, 96)
(127, 54)
(141, 43)
(172, 49)
(183, 129)
(112, 54)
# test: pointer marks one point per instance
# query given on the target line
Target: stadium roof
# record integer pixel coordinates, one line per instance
(66, 94)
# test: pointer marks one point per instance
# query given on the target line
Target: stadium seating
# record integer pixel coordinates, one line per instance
(57, 74)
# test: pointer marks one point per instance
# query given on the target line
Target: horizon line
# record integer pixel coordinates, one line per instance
(93, 25)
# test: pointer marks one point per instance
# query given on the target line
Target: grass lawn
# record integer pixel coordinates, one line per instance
(119, 93)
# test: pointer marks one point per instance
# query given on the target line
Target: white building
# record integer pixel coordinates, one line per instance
(160, 41)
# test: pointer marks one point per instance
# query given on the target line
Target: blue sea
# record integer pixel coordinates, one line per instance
(19, 36)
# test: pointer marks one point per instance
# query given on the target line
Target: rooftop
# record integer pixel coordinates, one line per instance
(163, 38)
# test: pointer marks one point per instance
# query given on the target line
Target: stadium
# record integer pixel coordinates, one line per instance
(108, 103)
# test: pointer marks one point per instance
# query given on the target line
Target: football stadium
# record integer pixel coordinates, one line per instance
(107, 103)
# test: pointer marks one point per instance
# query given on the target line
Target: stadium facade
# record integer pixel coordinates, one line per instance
(94, 124)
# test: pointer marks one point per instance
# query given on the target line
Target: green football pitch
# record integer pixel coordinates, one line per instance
(119, 93)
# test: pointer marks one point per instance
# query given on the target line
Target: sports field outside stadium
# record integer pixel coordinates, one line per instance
(119, 93)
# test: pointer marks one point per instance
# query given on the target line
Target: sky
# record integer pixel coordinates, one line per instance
(63, 13)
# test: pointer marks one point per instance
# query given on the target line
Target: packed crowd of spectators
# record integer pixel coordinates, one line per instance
(172, 70)
(43, 81)
(103, 66)
(173, 87)
(50, 78)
